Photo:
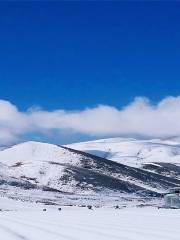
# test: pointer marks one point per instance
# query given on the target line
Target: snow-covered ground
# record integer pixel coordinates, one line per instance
(133, 152)
(28, 221)
(39, 163)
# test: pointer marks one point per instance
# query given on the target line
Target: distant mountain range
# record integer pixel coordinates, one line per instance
(118, 165)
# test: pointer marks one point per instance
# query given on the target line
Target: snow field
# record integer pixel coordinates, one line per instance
(75, 223)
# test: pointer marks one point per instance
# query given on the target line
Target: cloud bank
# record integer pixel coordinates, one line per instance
(138, 118)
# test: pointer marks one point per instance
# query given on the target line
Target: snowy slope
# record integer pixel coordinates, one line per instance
(44, 172)
(60, 169)
(46, 167)
(36, 162)
(133, 152)
(55, 168)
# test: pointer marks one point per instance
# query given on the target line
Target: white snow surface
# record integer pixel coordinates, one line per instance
(28, 152)
(32, 161)
(133, 152)
(28, 221)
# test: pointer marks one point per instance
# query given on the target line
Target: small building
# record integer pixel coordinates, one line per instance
(172, 198)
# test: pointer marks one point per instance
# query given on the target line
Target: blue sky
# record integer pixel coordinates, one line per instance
(74, 55)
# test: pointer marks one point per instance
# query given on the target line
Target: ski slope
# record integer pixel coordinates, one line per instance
(28, 222)
(133, 152)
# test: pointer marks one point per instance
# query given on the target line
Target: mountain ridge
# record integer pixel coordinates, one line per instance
(64, 170)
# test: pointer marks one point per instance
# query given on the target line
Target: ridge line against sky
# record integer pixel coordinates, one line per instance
(139, 118)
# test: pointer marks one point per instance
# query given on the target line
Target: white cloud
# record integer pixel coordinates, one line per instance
(138, 118)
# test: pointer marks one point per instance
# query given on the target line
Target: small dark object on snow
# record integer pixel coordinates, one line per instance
(44, 210)
(117, 207)
(59, 209)
(89, 207)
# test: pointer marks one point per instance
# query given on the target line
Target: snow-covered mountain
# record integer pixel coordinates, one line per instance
(132, 152)
(44, 174)
(60, 169)
(42, 164)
